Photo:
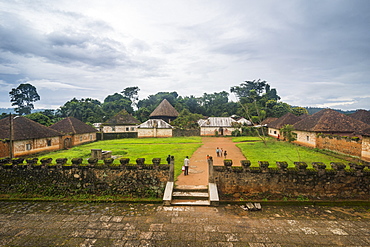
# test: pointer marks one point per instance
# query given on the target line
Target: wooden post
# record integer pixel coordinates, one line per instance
(11, 138)
(172, 170)
(211, 178)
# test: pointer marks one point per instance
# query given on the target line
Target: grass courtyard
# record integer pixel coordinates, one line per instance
(179, 147)
(255, 150)
(134, 148)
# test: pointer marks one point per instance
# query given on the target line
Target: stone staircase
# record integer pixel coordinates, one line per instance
(191, 195)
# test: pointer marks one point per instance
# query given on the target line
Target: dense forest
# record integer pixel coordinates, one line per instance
(256, 101)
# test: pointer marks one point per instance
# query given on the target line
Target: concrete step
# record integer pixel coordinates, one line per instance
(191, 188)
(190, 194)
(179, 202)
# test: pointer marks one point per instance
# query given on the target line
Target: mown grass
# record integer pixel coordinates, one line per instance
(281, 151)
(134, 148)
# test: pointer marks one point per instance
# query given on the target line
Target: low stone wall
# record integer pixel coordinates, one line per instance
(317, 183)
(113, 136)
(68, 180)
(180, 132)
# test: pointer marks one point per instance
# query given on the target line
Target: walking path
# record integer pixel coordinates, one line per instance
(198, 172)
(124, 224)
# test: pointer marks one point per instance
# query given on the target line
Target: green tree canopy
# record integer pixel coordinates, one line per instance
(23, 97)
(39, 118)
(187, 120)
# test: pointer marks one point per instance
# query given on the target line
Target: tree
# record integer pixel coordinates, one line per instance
(86, 110)
(187, 120)
(299, 111)
(287, 133)
(39, 118)
(23, 96)
(132, 94)
(116, 103)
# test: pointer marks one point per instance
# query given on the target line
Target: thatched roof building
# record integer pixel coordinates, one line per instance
(164, 111)
(330, 121)
(25, 129)
(71, 125)
(288, 118)
(361, 115)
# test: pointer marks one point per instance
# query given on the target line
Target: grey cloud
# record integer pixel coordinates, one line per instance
(67, 47)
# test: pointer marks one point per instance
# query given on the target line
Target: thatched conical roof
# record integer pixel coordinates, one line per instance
(164, 109)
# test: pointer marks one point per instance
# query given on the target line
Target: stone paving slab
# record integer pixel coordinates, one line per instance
(124, 224)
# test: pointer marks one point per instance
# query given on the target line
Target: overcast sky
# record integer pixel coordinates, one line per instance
(315, 53)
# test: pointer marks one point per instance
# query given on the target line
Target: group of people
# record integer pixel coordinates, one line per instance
(220, 152)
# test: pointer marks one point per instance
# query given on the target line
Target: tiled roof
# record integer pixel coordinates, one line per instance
(288, 118)
(164, 109)
(361, 115)
(25, 129)
(328, 120)
(268, 120)
(155, 123)
(71, 125)
(122, 118)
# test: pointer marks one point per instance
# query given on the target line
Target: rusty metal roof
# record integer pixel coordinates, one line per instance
(155, 123)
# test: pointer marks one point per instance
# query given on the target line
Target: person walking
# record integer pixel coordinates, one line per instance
(168, 159)
(186, 165)
(218, 152)
(225, 154)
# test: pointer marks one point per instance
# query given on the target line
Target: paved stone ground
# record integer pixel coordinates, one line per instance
(123, 224)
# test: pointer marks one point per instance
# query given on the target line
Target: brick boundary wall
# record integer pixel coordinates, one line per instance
(317, 183)
(340, 144)
(53, 180)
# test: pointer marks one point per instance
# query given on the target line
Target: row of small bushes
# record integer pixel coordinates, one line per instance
(246, 164)
(74, 161)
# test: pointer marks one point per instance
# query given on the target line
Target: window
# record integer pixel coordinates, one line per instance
(48, 143)
(127, 129)
(132, 128)
(90, 137)
(113, 128)
(28, 146)
(308, 138)
(274, 132)
(80, 138)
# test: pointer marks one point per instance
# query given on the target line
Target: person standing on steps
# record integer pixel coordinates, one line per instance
(186, 165)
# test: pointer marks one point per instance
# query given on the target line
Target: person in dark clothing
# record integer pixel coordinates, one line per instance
(168, 159)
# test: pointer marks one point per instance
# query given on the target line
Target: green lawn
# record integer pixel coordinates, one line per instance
(281, 151)
(134, 148)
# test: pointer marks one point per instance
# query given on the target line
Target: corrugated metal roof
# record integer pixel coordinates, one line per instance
(155, 123)
(220, 122)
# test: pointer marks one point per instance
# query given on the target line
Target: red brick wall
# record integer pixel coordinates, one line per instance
(4, 149)
(340, 145)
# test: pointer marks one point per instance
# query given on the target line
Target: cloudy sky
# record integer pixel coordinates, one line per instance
(315, 53)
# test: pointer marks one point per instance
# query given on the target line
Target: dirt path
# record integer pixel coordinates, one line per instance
(198, 171)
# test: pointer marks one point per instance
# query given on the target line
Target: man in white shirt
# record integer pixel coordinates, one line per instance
(186, 165)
